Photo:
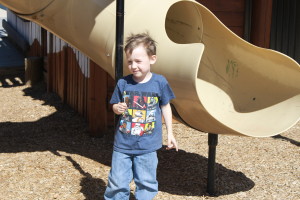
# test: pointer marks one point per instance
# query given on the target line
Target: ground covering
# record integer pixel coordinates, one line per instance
(46, 153)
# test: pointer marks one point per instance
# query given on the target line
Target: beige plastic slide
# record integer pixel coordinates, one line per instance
(223, 84)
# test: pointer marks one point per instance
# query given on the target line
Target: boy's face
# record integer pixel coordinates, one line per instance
(139, 63)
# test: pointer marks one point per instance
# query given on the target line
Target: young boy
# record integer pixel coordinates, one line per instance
(147, 96)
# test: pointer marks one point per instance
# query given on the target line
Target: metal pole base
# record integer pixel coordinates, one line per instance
(211, 173)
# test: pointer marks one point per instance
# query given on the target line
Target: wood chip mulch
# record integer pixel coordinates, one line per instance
(46, 153)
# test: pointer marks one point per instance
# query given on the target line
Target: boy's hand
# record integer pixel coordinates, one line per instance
(120, 108)
(172, 144)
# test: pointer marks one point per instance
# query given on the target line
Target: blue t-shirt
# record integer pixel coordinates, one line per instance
(140, 127)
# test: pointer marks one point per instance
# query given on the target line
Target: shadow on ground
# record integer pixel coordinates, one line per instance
(179, 173)
(12, 78)
(294, 142)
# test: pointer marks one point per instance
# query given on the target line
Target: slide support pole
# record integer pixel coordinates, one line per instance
(119, 39)
(119, 45)
(211, 173)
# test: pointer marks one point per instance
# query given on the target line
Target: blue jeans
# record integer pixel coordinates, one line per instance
(142, 168)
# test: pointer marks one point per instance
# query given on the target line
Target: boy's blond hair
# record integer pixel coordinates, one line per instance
(134, 40)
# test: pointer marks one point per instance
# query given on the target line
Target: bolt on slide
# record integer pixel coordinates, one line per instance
(223, 84)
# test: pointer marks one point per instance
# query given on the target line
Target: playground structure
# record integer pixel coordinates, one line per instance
(223, 84)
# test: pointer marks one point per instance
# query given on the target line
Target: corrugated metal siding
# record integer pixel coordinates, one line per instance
(58, 46)
(285, 31)
(29, 30)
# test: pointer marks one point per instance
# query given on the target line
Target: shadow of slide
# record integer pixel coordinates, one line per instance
(294, 142)
(184, 173)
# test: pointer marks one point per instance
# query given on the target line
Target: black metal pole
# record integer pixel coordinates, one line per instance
(119, 39)
(119, 45)
(211, 173)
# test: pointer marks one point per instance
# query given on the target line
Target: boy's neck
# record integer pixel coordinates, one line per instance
(143, 79)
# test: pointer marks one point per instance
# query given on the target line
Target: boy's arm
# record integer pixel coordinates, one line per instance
(167, 113)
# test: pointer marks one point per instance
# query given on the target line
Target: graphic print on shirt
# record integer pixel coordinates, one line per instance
(140, 117)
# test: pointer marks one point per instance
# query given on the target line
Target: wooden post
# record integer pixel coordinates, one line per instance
(97, 101)
(261, 23)
(33, 70)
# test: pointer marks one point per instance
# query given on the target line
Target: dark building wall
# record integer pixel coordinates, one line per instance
(230, 12)
(285, 31)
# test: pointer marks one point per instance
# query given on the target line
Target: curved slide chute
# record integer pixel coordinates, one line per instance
(223, 84)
